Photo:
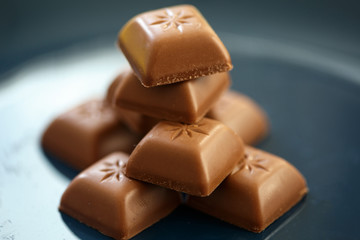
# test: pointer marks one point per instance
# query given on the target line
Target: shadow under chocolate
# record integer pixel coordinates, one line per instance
(187, 223)
(81, 230)
(194, 224)
(63, 168)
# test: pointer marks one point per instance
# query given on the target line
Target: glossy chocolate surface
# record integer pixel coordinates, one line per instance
(103, 198)
(84, 134)
(171, 45)
(193, 159)
(259, 190)
(242, 115)
(186, 102)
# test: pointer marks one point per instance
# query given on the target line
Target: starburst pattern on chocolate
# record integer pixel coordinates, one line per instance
(170, 19)
(112, 171)
(179, 129)
(252, 162)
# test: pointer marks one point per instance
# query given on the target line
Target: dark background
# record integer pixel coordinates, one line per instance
(31, 28)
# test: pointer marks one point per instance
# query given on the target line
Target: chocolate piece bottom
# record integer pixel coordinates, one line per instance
(259, 190)
(186, 102)
(171, 45)
(242, 115)
(237, 111)
(193, 159)
(136, 122)
(103, 198)
(84, 134)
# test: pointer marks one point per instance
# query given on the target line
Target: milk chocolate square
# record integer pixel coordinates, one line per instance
(242, 115)
(259, 190)
(171, 45)
(193, 159)
(86, 133)
(186, 102)
(103, 198)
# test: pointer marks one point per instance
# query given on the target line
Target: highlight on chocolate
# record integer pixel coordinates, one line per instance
(170, 125)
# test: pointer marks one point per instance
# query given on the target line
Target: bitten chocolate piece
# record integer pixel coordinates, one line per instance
(86, 133)
(172, 45)
(193, 159)
(186, 102)
(242, 115)
(103, 198)
(259, 190)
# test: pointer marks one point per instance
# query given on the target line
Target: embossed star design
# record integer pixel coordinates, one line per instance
(112, 171)
(179, 129)
(252, 162)
(170, 19)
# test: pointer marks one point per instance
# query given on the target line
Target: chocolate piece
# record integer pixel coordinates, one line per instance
(185, 102)
(137, 122)
(242, 115)
(103, 198)
(235, 110)
(110, 93)
(193, 159)
(171, 45)
(86, 133)
(258, 191)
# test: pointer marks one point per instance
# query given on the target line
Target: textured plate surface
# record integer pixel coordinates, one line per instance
(313, 102)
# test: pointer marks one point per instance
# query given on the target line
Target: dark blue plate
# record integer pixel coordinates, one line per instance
(313, 106)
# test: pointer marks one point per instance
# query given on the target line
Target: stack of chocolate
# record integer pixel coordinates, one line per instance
(174, 98)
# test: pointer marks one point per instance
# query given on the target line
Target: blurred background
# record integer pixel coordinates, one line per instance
(31, 28)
